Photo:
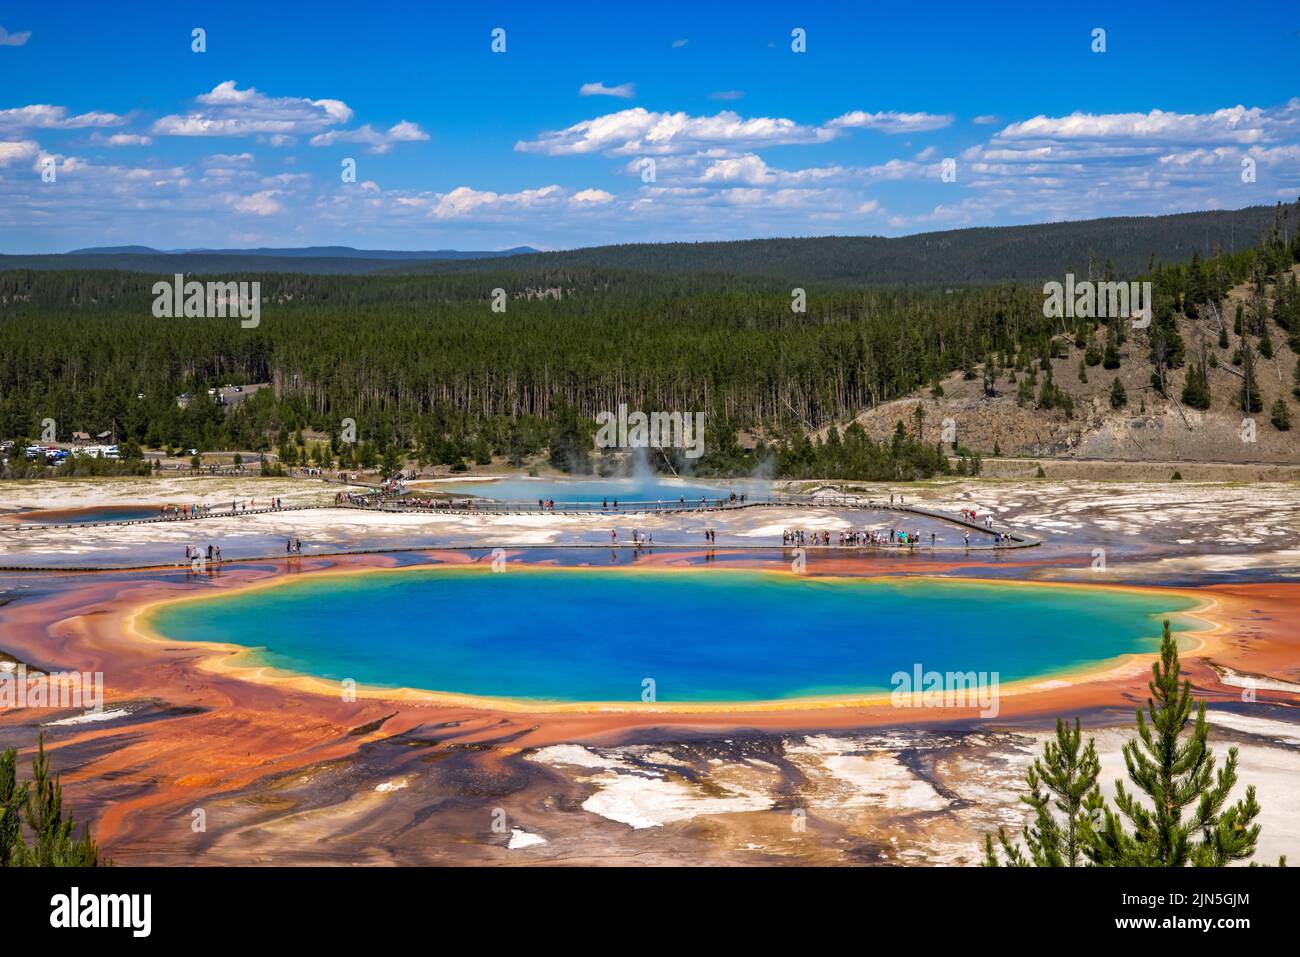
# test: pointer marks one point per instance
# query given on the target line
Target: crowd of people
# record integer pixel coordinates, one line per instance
(213, 554)
(375, 499)
(292, 546)
(871, 537)
(797, 536)
(172, 513)
(612, 504)
(175, 513)
(853, 538)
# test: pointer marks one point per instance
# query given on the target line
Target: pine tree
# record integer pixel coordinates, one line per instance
(1110, 358)
(1092, 356)
(392, 463)
(1280, 415)
(1196, 390)
(53, 829)
(1182, 820)
(13, 798)
(1063, 780)
(1118, 397)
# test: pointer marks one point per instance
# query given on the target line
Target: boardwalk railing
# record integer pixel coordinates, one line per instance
(501, 507)
(165, 520)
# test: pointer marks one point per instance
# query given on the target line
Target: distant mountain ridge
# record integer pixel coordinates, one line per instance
(316, 260)
(954, 257)
(978, 255)
(308, 252)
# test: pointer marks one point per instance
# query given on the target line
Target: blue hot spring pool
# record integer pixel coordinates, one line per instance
(652, 489)
(563, 634)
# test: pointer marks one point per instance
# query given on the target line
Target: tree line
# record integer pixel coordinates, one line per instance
(426, 366)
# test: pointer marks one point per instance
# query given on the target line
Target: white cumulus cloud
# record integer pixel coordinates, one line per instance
(263, 203)
(43, 116)
(230, 111)
(18, 151)
(592, 196)
(121, 139)
(639, 130)
(891, 121)
(377, 141)
(623, 90)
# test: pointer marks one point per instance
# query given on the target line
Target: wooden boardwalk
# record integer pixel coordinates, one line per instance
(224, 513)
(1012, 539)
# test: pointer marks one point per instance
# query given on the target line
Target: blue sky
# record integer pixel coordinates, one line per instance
(548, 143)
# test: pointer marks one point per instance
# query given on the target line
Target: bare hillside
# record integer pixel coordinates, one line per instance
(1149, 428)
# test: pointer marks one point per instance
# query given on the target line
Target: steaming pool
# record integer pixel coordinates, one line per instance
(701, 635)
(651, 489)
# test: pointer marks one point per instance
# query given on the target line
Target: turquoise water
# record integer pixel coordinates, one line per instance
(589, 635)
(594, 490)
